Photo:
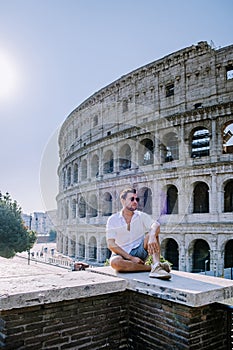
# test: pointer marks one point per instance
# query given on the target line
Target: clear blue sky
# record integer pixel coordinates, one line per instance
(56, 53)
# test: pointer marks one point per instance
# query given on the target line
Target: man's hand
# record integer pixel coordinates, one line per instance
(136, 260)
(153, 245)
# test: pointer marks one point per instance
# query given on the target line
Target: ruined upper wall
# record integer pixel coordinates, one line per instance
(190, 78)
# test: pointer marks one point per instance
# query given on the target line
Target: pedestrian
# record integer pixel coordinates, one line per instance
(132, 235)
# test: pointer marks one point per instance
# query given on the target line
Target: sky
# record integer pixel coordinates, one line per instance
(54, 54)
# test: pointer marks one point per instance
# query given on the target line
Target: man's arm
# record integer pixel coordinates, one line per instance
(153, 242)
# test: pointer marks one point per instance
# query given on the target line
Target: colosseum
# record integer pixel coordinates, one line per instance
(165, 128)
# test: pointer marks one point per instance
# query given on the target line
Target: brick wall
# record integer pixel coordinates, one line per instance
(126, 320)
(89, 323)
(160, 324)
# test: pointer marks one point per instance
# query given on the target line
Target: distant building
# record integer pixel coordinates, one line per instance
(166, 129)
(41, 222)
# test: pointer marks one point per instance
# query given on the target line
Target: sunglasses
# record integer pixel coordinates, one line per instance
(135, 199)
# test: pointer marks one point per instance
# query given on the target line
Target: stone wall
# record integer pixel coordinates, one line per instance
(88, 323)
(126, 320)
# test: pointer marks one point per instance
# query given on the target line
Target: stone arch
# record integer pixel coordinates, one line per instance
(107, 204)
(145, 203)
(227, 137)
(81, 247)
(84, 169)
(170, 251)
(200, 142)
(92, 248)
(69, 176)
(108, 162)
(75, 173)
(146, 152)
(82, 208)
(170, 147)
(125, 157)
(199, 252)
(228, 254)
(64, 178)
(67, 209)
(74, 208)
(201, 197)
(105, 253)
(228, 196)
(172, 199)
(93, 206)
(95, 166)
(72, 247)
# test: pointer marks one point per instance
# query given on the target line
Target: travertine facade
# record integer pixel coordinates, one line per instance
(165, 128)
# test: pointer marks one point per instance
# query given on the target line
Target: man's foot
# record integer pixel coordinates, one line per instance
(166, 266)
(160, 272)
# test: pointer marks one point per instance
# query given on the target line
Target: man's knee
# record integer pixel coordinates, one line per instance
(116, 262)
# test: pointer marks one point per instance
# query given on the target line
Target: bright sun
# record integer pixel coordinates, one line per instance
(8, 76)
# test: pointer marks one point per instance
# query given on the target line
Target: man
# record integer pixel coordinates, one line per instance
(131, 236)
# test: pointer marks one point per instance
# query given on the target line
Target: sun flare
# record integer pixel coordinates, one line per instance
(8, 76)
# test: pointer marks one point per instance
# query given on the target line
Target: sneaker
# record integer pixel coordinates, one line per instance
(159, 272)
(166, 266)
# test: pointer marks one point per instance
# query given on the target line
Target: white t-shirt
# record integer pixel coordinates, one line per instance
(116, 228)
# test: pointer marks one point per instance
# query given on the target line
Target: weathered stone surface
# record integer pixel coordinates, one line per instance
(24, 285)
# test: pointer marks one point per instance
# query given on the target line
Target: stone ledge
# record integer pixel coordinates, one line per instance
(185, 288)
(23, 285)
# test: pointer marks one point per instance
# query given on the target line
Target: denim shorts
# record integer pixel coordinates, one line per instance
(139, 252)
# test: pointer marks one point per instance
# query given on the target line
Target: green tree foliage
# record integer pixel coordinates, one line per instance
(14, 236)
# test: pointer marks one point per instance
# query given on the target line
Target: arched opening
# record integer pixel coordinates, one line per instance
(201, 198)
(82, 208)
(64, 179)
(67, 209)
(84, 169)
(92, 249)
(93, 210)
(200, 143)
(108, 162)
(75, 173)
(145, 203)
(146, 152)
(105, 253)
(74, 205)
(228, 256)
(107, 204)
(201, 256)
(81, 247)
(228, 197)
(170, 147)
(125, 158)
(72, 247)
(171, 253)
(228, 138)
(172, 200)
(95, 166)
(69, 176)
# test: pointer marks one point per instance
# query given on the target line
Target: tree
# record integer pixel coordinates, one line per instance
(14, 236)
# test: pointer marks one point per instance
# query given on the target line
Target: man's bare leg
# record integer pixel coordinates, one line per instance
(122, 265)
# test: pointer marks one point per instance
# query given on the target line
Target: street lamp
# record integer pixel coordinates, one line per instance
(30, 227)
